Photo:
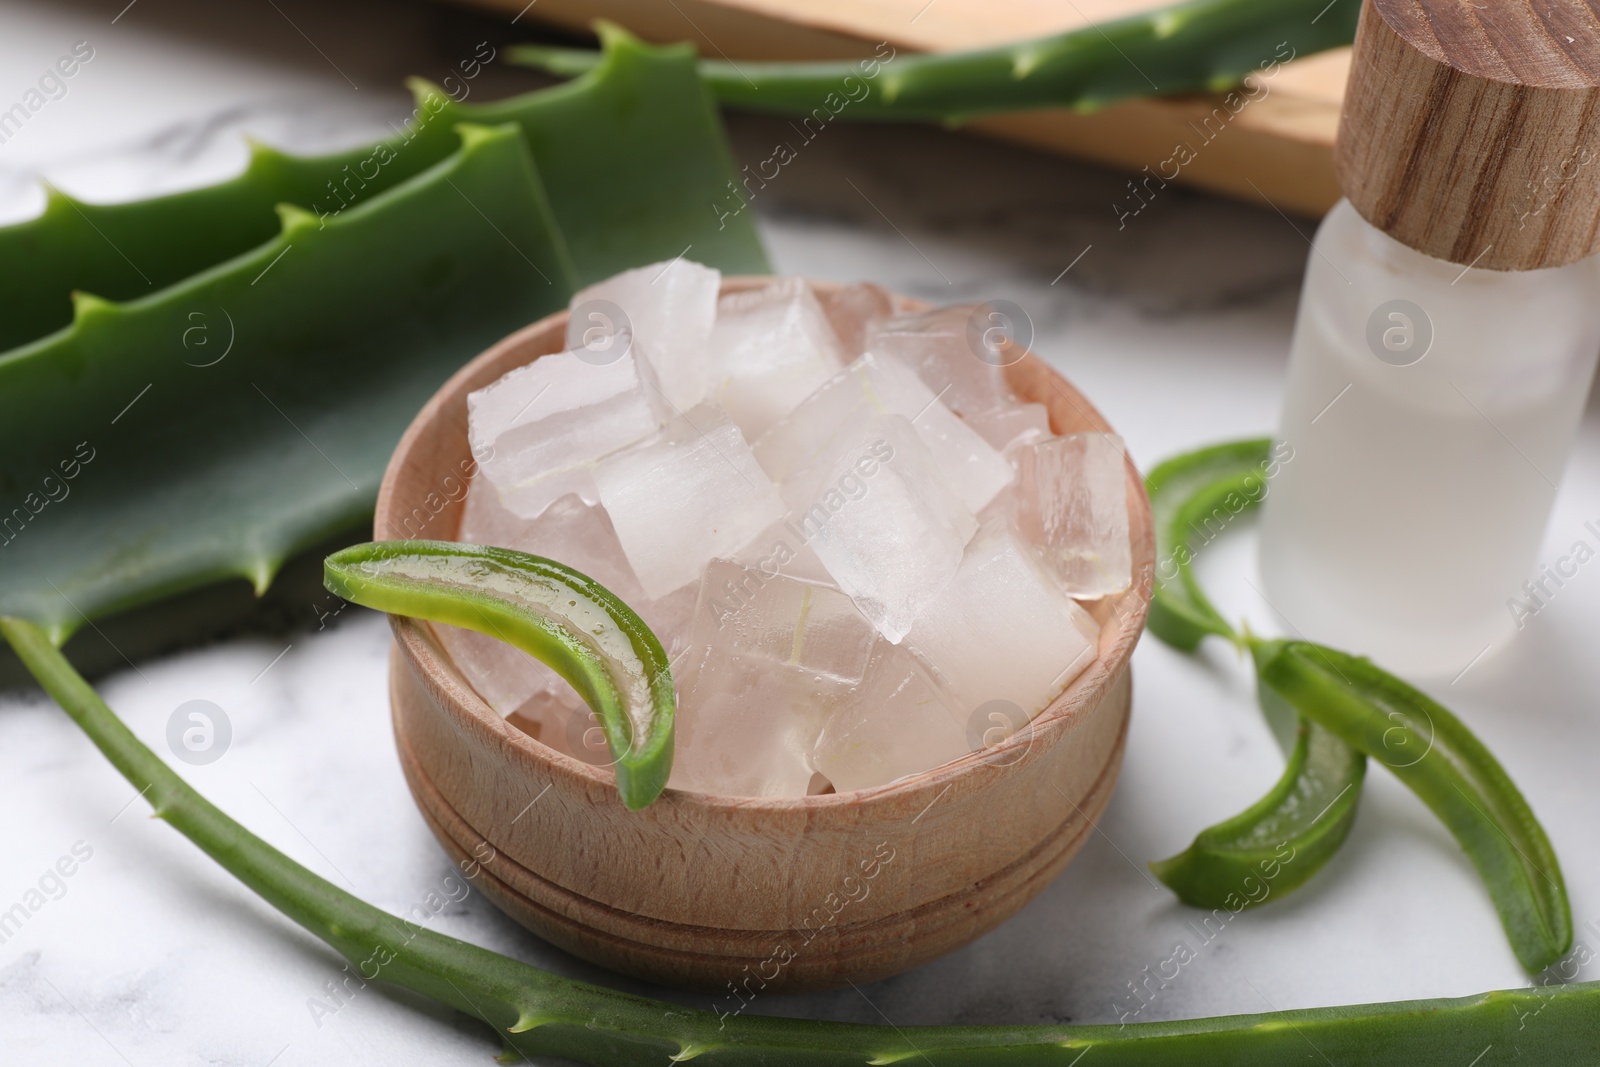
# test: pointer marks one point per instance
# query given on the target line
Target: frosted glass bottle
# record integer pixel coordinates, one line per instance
(1431, 408)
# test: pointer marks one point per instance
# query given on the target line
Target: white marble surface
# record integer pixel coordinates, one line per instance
(1175, 325)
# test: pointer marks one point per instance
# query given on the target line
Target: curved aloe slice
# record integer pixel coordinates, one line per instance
(1193, 498)
(550, 611)
(1277, 844)
(1308, 813)
(1350, 708)
(1441, 761)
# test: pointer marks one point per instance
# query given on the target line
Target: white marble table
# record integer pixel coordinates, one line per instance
(1175, 324)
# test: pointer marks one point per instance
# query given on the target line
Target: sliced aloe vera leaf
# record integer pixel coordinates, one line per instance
(209, 492)
(1275, 846)
(1444, 763)
(212, 429)
(632, 155)
(550, 611)
(1278, 843)
(1194, 498)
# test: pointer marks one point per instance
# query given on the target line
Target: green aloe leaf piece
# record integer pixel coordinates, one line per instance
(632, 158)
(1348, 708)
(548, 610)
(1275, 846)
(635, 162)
(1193, 499)
(1278, 843)
(1189, 47)
(538, 1013)
(210, 430)
(1440, 760)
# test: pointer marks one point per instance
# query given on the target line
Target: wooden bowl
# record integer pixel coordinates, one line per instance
(734, 893)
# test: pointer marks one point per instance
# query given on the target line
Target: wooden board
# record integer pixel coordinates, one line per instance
(1278, 149)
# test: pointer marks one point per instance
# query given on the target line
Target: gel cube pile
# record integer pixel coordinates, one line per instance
(863, 553)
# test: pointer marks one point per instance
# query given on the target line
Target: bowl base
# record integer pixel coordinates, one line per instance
(834, 954)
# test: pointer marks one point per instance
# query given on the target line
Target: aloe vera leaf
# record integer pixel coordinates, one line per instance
(632, 156)
(295, 602)
(1439, 759)
(539, 1013)
(1308, 812)
(550, 611)
(1189, 47)
(1194, 498)
(1278, 843)
(635, 162)
(138, 467)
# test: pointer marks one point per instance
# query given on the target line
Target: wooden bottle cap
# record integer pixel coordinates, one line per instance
(1471, 128)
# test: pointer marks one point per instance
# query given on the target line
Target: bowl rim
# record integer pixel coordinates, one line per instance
(414, 638)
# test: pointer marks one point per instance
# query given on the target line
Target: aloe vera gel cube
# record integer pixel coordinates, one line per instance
(769, 657)
(887, 527)
(540, 429)
(667, 307)
(826, 421)
(1073, 505)
(1002, 628)
(903, 720)
(1010, 427)
(854, 309)
(769, 349)
(944, 348)
(685, 497)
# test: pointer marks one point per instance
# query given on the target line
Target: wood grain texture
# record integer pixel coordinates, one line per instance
(701, 890)
(1279, 149)
(1471, 130)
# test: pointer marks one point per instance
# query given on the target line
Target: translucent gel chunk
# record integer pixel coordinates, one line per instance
(1073, 504)
(770, 658)
(685, 497)
(1001, 629)
(885, 525)
(669, 308)
(541, 428)
(769, 349)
